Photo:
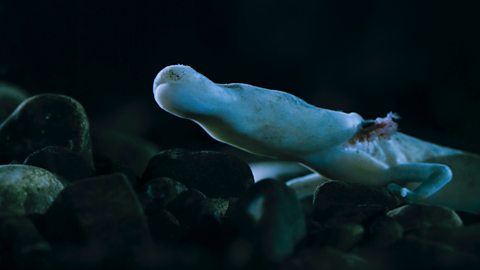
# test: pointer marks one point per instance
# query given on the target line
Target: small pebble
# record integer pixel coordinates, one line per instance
(27, 189)
(271, 217)
(160, 190)
(45, 120)
(216, 174)
(215, 208)
(338, 202)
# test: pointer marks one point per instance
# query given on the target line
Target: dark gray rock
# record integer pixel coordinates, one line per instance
(343, 237)
(468, 218)
(64, 163)
(418, 216)
(105, 165)
(102, 212)
(187, 207)
(383, 232)
(45, 120)
(415, 253)
(215, 174)
(215, 208)
(466, 239)
(271, 218)
(164, 226)
(160, 190)
(10, 97)
(128, 150)
(338, 202)
(21, 244)
(27, 189)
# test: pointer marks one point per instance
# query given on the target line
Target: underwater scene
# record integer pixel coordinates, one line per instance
(239, 135)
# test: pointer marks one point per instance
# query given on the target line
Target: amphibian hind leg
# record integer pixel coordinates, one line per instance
(431, 176)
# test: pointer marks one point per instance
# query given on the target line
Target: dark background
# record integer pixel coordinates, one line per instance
(420, 59)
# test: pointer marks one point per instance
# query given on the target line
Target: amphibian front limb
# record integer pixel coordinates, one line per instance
(432, 177)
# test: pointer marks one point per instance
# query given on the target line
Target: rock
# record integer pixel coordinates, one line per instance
(326, 258)
(271, 218)
(160, 190)
(10, 97)
(209, 229)
(384, 232)
(338, 202)
(215, 208)
(414, 253)
(127, 150)
(215, 174)
(187, 207)
(239, 254)
(418, 216)
(104, 165)
(465, 239)
(21, 243)
(45, 120)
(102, 212)
(468, 218)
(62, 162)
(27, 189)
(343, 237)
(164, 226)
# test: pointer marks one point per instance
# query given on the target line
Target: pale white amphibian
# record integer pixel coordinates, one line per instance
(336, 145)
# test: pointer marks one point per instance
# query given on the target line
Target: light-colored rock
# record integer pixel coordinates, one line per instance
(27, 189)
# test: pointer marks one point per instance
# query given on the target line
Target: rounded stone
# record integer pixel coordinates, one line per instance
(10, 97)
(66, 164)
(160, 190)
(419, 216)
(45, 120)
(337, 202)
(164, 226)
(343, 237)
(187, 207)
(125, 149)
(336, 193)
(465, 239)
(213, 173)
(411, 252)
(27, 189)
(384, 231)
(270, 216)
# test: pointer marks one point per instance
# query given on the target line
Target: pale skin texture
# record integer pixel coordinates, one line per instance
(279, 125)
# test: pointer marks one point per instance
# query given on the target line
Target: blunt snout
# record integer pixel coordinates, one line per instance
(173, 74)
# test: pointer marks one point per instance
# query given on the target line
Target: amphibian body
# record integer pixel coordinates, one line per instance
(334, 144)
